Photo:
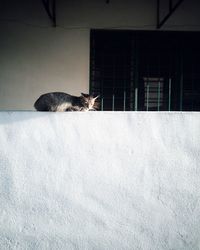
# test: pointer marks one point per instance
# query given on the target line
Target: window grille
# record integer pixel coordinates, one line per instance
(154, 97)
(145, 70)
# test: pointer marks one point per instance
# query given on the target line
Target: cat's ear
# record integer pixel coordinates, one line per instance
(85, 95)
(96, 97)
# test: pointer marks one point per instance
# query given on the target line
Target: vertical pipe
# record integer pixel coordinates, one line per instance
(124, 76)
(102, 95)
(169, 100)
(134, 73)
(113, 102)
(124, 100)
(147, 96)
(159, 96)
(131, 77)
(181, 92)
(136, 99)
(114, 79)
(181, 86)
(102, 104)
(102, 83)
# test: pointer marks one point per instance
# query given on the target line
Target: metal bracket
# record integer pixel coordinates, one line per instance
(50, 7)
(172, 9)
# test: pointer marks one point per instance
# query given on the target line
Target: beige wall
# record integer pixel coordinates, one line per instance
(37, 58)
(37, 61)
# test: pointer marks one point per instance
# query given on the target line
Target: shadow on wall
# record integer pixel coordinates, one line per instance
(7, 117)
(13, 116)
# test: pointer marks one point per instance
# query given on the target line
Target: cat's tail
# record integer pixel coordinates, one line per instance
(39, 105)
(36, 106)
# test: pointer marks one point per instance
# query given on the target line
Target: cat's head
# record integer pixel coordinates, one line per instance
(89, 102)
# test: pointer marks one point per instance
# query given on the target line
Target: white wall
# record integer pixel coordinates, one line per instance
(37, 58)
(99, 180)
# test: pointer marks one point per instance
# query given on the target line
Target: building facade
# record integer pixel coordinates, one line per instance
(112, 48)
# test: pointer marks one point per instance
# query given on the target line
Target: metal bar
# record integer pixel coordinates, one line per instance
(181, 91)
(136, 99)
(113, 102)
(113, 85)
(173, 8)
(134, 73)
(169, 104)
(159, 96)
(124, 100)
(102, 82)
(51, 12)
(46, 6)
(102, 104)
(181, 79)
(147, 97)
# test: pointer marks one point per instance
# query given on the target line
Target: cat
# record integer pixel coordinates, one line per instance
(60, 101)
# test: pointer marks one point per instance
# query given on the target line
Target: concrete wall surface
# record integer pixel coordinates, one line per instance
(99, 180)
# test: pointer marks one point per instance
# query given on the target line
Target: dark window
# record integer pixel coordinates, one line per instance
(146, 70)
